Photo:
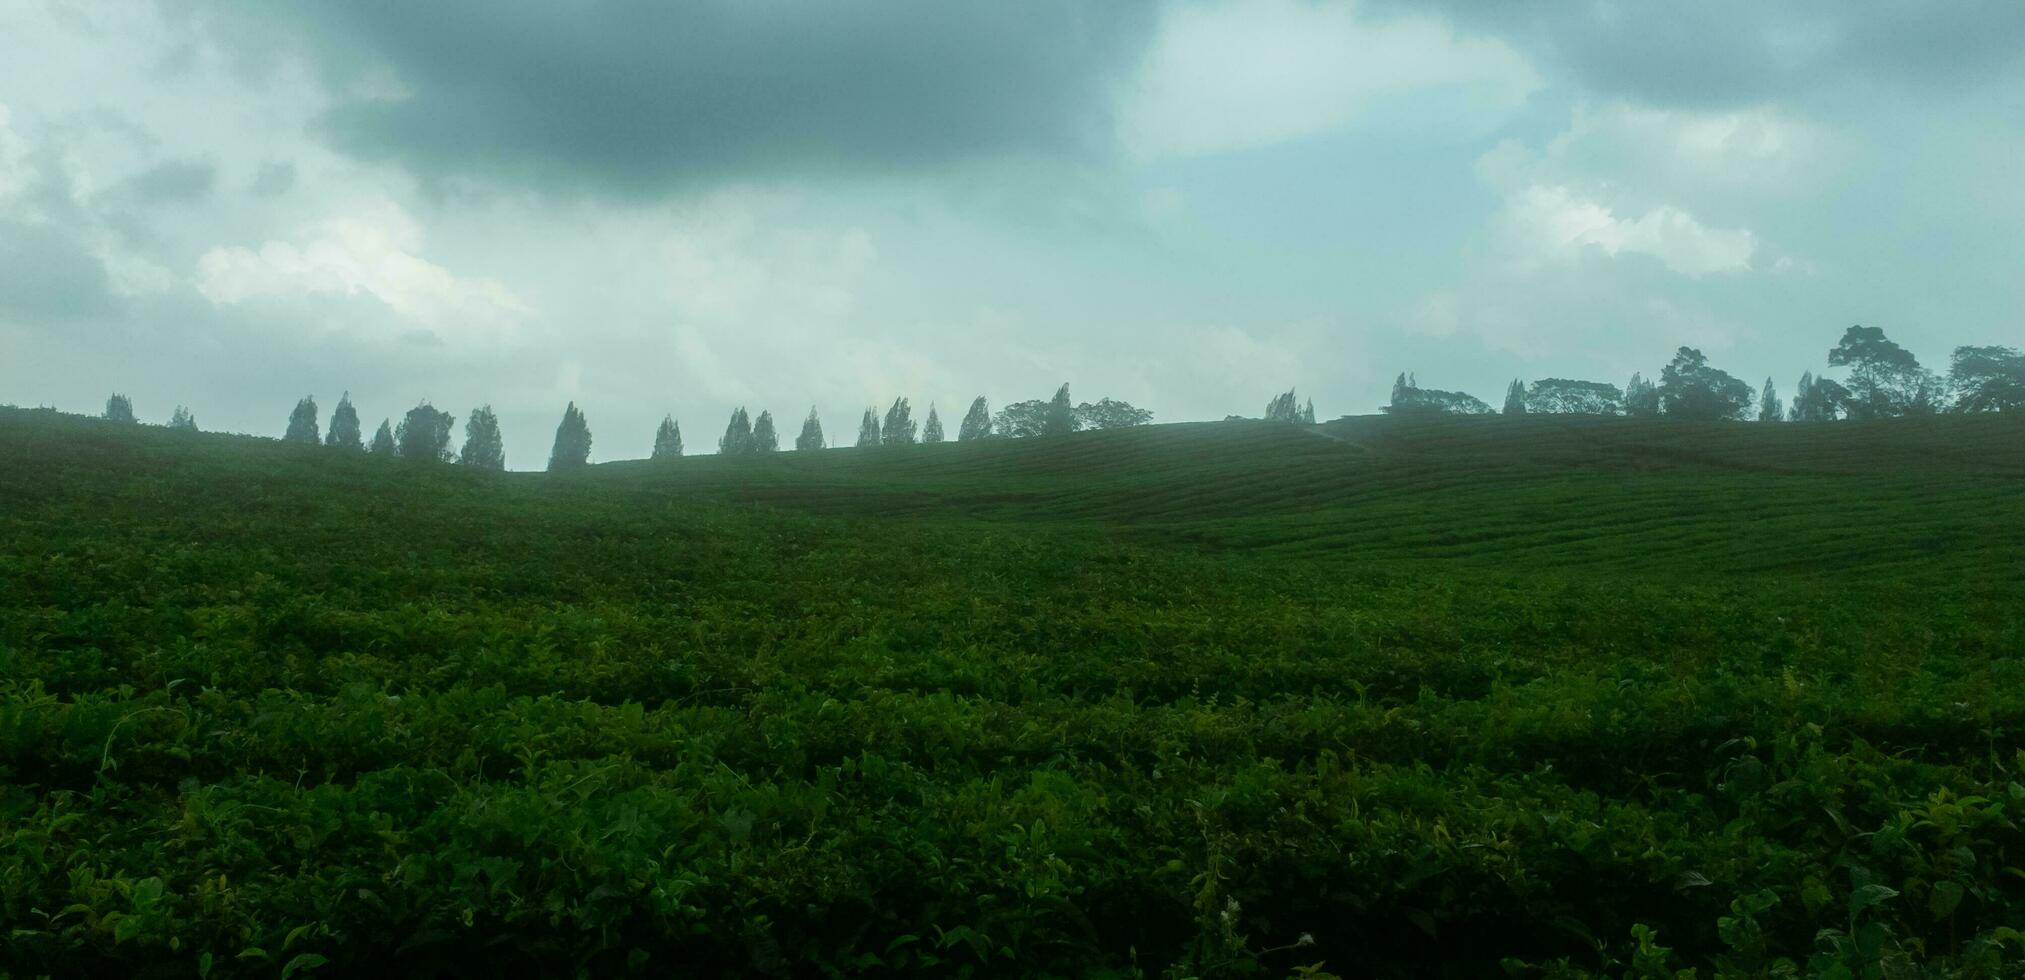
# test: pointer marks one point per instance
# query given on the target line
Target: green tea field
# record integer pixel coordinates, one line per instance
(1527, 696)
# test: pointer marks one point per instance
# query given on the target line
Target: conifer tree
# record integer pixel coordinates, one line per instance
(1641, 397)
(900, 426)
(119, 408)
(182, 420)
(737, 438)
(868, 428)
(1515, 398)
(383, 439)
(668, 439)
(1283, 408)
(976, 422)
(931, 431)
(812, 432)
(572, 441)
(1060, 418)
(764, 438)
(1769, 409)
(424, 434)
(344, 426)
(483, 447)
(1308, 412)
(302, 423)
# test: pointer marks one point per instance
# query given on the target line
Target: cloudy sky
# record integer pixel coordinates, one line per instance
(652, 208)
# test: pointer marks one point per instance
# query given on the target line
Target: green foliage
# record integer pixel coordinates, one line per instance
(1515, 398)
(182, 420)
(1769, 407)
(1110, 413)
(737, 438)
(383, 440)
(668, 439)
(764, 438)
(868, 428)
(572, 441)
(1691, 389)
(302, 423)
(1558, 697)
(899, 428)
(1641, 397)
(424, 434)
(1284, 407)
(1988, 379)
(976, 422)
(812, 433)
(931, 430)
(1059, 418)
(1885, 380)
(119, 408)
(344, 426)
(1408, 398)
(483, 446)
(1565, 396)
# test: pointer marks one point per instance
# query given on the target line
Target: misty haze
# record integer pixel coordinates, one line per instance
(1112, 488)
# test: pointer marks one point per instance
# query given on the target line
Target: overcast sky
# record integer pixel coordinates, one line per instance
(651, 208)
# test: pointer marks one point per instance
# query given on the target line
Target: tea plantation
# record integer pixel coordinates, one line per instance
(1537, 696)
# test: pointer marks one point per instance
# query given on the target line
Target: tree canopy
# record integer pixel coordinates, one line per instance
(868, 428)
(1690, 388)
(483, 447)
(737, 437)
(812, 432)
(1988, 379)
(900, 427)
(667, 439)
(1769, 409)
(1515, 398)
(1641, 397)
(764, 438)
(119, 408)
(931, 430)
(976, 422)
(383, 440)
(572, 441)
(1109, 413)
(1885, 380)
(1566, 396)
(344, 426)
(1060, 416)
(1408, 398)
(424, 434)
(302, 423)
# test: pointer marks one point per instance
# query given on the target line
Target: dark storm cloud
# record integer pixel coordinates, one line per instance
(1734, 52)
(635, 98)
(175, 182)
(46, 277)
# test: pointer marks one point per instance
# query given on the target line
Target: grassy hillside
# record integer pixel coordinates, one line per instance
(1403, 697)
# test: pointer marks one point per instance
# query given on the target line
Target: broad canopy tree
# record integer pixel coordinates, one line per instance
(1689, 388)
(1566, 396)
(572, 441)
(1988, 379)
(1109, 413)
(302, 425)
(1408, 398)
(1885, 380)
(424, 434)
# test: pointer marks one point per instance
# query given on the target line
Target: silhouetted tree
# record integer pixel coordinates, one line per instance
(182, 421)
(1307, 412)
(1283, 408)
(302, 423)
(1988, 379)
(424, 434)
(1109, 413)
(119, 408)
(667, 439)
(868, 428)
(572, 441)
(764, 439)
(383, 440)
(1884, 379)
(483, 447)
(1641, 397)
(931, 430)
(1689, 388)
(1515, 398)
(976, 422)
(1408, 398)
(1769, 409)
(1061, 417)
(1564, 396)
(812, 432)
(344, 426)
(899, 428)
(737, 438)
(1021, 420)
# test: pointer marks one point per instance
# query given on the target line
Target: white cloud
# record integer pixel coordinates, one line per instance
(1232, 76)
(370, 252)
(1553, 223)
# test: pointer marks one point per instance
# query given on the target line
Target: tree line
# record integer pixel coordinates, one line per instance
(1884, 381)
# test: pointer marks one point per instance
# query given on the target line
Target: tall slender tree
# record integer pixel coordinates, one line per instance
(120, 408)
(383, 440)
(344, 426)
(931, 430)
(976, 422)
(483, 447)
(737, 438)
(1308, 412)
(182, 421)
(899, 428)
(868, 428)
(668, 439)
(812, 432)
(302, 423)
(1515, 398)
(1641, 397)
(1769, 409)
(1283, 408)
(1060, 419)
(764, 438)
(572, 441)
